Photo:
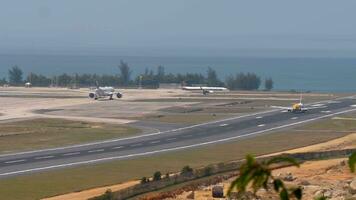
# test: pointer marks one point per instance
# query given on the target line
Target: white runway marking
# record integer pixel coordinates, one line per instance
(221, 125)
(119, 147)
(97, 150)
(173, 149)
(294, 118)
(154, 142)
(326, 111)
(353, 105)
(170, 139)
(318, 105)
(284, 111)
(259, 117)
(261, 125)
(44, 157)
(71, 154)
(14, 161)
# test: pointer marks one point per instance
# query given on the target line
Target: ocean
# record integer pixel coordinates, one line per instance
(302, 74)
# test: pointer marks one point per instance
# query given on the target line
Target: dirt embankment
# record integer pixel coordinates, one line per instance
(331, 178)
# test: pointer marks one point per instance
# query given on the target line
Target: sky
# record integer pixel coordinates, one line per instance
(180, 27)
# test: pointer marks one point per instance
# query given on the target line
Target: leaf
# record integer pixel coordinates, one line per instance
(320, 198)
(233, 184)
(352, 162)
(284, 195)
(277, 184)
(298, 193)
(283, 159)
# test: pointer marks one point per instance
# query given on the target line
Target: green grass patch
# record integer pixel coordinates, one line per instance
(46, 133)
(333, 125)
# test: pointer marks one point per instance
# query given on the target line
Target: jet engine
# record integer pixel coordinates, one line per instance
(119, 95)
(92, 95)
(206, 92)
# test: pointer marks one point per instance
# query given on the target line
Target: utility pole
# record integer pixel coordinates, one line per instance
(140, 82)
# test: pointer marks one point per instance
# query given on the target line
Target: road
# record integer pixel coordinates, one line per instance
(170, 140)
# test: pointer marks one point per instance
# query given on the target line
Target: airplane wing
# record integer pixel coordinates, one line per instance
(316, 107)
(281, 107)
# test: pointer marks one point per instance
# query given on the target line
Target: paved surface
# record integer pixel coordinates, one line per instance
(169, 140)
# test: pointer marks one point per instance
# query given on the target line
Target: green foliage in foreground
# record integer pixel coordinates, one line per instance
(352, 162)
(259, 174)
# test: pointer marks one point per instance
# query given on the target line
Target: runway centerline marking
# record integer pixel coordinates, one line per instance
(222, 125)
(174, 148)
(154, 142)
(259, 117)
(96, 150)
(170, 139)
(119, 147)
(15, 161)
(294, 118)
(71, 154)
(261, 125)
(44, 157)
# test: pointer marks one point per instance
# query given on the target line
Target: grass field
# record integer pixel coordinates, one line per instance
(45, 133)
(39, 185)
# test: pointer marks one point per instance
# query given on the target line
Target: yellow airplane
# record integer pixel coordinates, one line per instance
(297, 107)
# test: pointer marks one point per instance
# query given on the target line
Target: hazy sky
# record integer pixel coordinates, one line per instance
(155, 27)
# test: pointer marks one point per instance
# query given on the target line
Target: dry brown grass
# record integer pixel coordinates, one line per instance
(46, 133)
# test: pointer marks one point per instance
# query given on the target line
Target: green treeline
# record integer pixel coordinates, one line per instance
(149, 79)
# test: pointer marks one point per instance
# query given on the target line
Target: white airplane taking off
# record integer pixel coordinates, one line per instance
(298, 107)
(101, 92)
(205, 90)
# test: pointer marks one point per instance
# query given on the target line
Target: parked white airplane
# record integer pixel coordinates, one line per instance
(101, 92)
(205, 90)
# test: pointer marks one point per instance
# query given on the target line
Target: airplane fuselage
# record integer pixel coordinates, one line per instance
(297, 108)
(102, 92)
(205, 90)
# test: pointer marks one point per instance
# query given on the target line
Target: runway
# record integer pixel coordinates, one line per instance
(170, 140)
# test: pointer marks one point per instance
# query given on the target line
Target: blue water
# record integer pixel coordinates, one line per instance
(314, 74)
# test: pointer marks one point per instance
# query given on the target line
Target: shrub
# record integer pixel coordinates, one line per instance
(144, 180)
(108, 195)
(167, 175)
(208, 171)
(187, 171)
(157, 176)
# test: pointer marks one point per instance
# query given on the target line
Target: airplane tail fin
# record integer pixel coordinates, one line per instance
(301, 98)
